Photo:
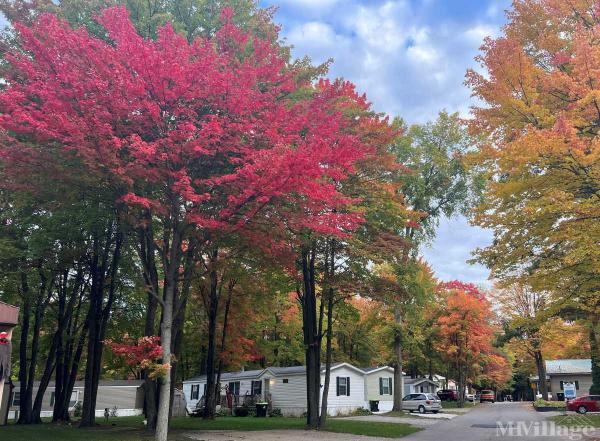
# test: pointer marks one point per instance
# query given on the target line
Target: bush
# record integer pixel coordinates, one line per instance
(276, 412)
(77, 410)
(543, 403)
(223, 411)
(241, 412)
(361, 411)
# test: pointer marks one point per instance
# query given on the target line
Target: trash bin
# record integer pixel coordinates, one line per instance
(560, 396)
(261, 409)
(374, 405)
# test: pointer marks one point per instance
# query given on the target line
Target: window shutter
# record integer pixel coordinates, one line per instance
(380, 386)
(337, 386)
(348, 386)
(391, 380)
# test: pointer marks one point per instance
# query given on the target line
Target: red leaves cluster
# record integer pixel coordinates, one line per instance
(203, 127)
(137, 352)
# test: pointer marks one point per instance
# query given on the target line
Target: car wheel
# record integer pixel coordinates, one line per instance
(493, 401)
(421, 409)
(581, 409)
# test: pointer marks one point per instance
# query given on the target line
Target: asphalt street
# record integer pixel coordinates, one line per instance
(502, 421)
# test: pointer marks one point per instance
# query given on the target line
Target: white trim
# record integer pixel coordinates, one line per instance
(379, 369)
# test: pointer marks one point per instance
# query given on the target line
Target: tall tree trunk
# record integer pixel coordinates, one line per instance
(398, 361)
(212, 310)
(224, 331)
(462, 383)
(44, 381)
(541, 371)
(88, 417)
(312, 339)
(328, 355)
(172, 261)
(43, 298)
(147, 253)
(67, 331)
(98, 314)
(24, 407)
(595, 354)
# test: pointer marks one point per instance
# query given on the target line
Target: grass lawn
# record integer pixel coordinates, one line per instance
(576, 420)
(130, 428)
(454, 404)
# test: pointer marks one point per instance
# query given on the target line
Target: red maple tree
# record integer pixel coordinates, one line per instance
(196, 140)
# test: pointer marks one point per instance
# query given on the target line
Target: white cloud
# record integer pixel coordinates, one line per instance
(410, 58)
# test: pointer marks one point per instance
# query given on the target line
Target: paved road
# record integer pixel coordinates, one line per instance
(516, 421)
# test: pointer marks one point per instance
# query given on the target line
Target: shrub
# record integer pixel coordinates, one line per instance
(77, 410)
(543, 403)
(223, 411)
(276, 412)
(241, 412)
(361, 411)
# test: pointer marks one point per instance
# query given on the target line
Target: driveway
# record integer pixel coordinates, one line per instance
(514, 421)
(500, 421)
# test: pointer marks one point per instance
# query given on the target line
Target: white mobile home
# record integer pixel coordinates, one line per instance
(120, 397)
(379, 386)
(419, 385)
(285, 388)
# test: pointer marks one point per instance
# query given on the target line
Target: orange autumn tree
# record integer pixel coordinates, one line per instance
(539, 123)
(464, 333)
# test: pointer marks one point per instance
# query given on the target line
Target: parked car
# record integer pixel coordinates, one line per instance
(487, 395)
(422, 402)
(447, 395)
(470, 397)
(584, 404)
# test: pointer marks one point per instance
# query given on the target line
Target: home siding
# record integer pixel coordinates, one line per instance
(124, 398)
(585, 383)
(245, 387)
(386, 402)
(372, 382)
(339, 405)
(290, 397)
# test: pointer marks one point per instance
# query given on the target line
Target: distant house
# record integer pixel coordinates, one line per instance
(121, 397)
(419, 385)
(558, 372)
(379, 386)
(285, 388)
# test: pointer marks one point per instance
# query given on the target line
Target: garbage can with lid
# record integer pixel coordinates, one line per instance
(261, 409)
(374, 405)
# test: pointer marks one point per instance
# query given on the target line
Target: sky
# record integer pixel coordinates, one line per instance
(410, 58)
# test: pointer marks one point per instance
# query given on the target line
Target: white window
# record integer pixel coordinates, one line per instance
(16, 399)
